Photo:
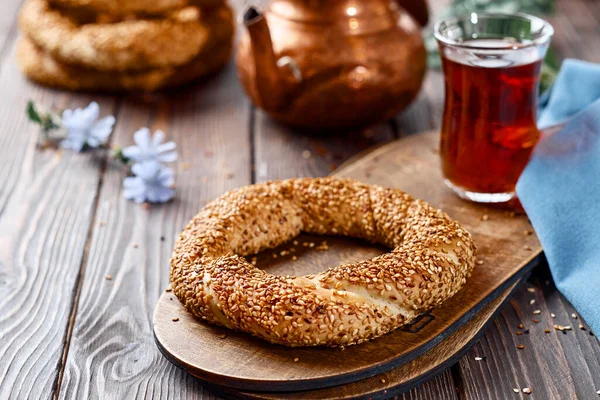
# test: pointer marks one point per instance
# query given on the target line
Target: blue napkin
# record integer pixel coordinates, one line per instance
(560, 187)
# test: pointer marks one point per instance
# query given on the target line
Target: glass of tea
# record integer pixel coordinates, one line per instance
(491, 65)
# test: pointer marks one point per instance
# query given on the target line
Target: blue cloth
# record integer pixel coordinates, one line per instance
(560, 187)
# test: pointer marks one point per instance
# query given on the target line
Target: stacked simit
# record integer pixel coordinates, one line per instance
(123, 45)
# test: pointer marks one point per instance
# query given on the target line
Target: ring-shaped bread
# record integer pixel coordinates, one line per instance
(125, 45)
(44, 69)
(125, 7)
(431, 258)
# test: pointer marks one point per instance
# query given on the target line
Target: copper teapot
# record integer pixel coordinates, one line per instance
(333, 64)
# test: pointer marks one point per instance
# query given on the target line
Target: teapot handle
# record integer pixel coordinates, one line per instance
(417, 9)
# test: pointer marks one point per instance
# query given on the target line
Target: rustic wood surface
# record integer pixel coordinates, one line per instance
(67, 332)
(506, 248)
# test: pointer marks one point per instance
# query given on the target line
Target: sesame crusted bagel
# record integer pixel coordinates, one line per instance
(124, 7)
(125, 45)
(431, 257)
(41, 67)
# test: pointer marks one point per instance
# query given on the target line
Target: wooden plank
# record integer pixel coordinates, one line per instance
(281, 152)
(554, 365)
(112, 348)
(47, 201)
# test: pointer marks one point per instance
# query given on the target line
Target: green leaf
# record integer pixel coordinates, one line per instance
(32, 113)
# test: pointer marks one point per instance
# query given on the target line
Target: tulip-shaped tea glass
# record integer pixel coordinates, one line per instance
(491, 66)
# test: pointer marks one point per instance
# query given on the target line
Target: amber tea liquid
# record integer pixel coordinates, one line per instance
(489, 124)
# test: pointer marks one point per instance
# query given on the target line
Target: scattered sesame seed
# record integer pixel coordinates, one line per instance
(295, 242)
(485, 217)
(531, 290)
(520, 326)
(546, 330)
(479, 262)
(294, 258)
(537, 312)
(108, 277)
(175, 319)
(574, 316)
(535, 321)
(582, 327)
(520, 346)
(516, 390)
(223, 336)
(553, 315)
(527, 247)
(296, 359)
(478, 358)
(527, 390)
(528, 232)
(306, 154)
(519, 333)
(382, 380)
(532, 301)
(135, 245)
(598, 392)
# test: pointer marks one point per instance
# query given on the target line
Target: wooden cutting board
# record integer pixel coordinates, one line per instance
(507, 250)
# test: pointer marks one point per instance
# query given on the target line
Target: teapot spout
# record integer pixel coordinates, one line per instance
(272, 82)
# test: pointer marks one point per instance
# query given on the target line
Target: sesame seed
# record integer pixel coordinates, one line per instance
(520, 326)
(479, 262)
(485, 217)
(520, 346)
(582, 327)
(527, 390)
(531, 290)
(537, 312)
(108, 277)
(519, 333)
(532, 301)
(553, 315)
(382, 380)
(135, 245)
(175, 319)
(306, 154)
(546, 330)
(526, 247)
(478, 358)
(516, 390)
(574, 316)
(296, 359)
(223, 336)
(535, 321)
(528, 232)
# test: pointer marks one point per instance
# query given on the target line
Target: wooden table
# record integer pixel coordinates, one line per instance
(66, 331)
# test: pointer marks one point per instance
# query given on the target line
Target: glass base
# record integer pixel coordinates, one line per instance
(480, 197)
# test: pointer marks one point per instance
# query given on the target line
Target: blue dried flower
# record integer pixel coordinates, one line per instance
(152, 182)
(150, 148)
(84, 128)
